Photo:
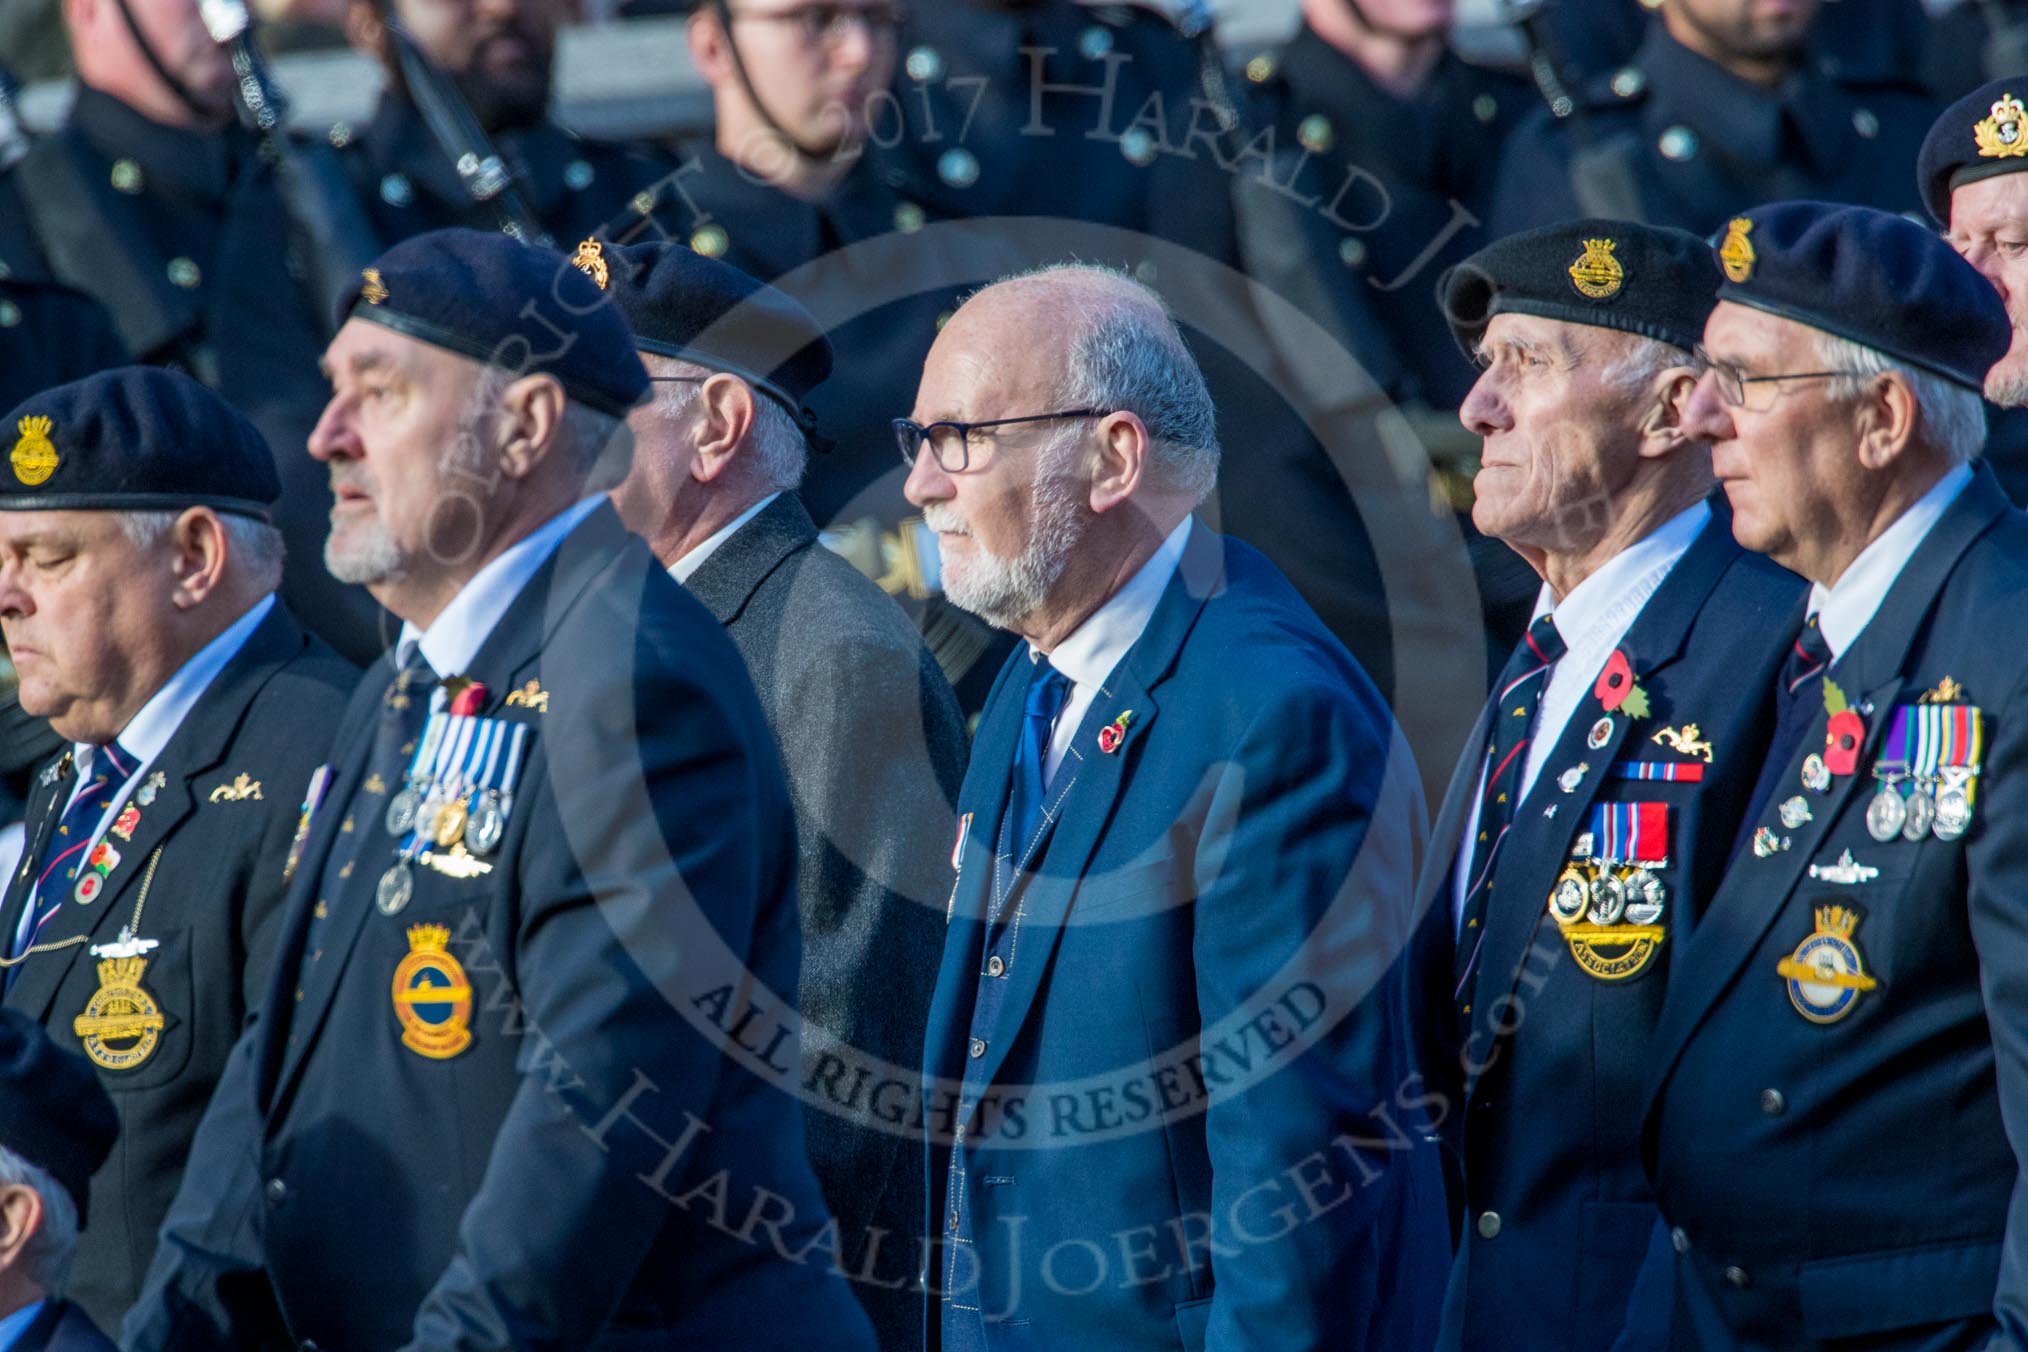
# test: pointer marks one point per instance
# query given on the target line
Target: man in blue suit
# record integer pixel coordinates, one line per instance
(1837, 1088)
(1161, 1086)
(1600, 793)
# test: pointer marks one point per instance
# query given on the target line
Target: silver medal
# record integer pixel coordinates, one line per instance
(1645, 897)
(1953, 811)
(1921, 813)
(396, 886)
(1609, 901)
(1568, 901)
(486, 825)
(401, 812)
(435, 801)
(1885, 814)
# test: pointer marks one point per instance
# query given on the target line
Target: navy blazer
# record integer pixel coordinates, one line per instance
(1189, 1137)
(62, 1327)
(1540, 1108)
(610, 1162)
(1836, 1171)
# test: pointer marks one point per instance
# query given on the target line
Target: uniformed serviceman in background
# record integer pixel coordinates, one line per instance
(1837, 1088)
(1966, 175)
(546, 913)
(1587, 824)
(870, 733)
(1719, 108)
(137, 581)
(493, 60)
(50, 334)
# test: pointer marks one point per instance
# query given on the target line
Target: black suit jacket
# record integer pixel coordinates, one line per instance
(875, 751)
(203, 872)
(1851, 1179)
(609, 1162)
(63, 1327)
(1540, 1108)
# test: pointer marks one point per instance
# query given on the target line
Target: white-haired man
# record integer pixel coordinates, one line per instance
(137, 579)
(1839, 1065)
(1188, 823)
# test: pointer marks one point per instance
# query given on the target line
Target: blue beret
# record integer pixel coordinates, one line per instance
(54, 1113)
(1872, 277)
(496, 300)
(136, 438)
(1982, 134)
(1653, 281)
(683, 305)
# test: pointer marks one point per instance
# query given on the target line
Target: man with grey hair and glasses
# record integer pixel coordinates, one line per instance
(870, 733)
(138, 568)
(1597, 798)
(1160, 1048)
(1837, 1086)
(57, 1126)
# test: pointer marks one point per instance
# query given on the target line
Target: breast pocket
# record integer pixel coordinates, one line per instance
(135, 1024)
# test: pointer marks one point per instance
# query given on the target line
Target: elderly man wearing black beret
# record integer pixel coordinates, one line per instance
(1837, 1087)
(516, 1082)
(137, 578)
(870, 733)
(57, 1125)
(1600, 792)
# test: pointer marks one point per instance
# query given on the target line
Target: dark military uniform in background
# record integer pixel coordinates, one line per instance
(50, 334)
(1674, 139)
(571, 184)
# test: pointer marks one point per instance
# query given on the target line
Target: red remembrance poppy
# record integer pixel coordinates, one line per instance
(1842, 736)
(469, 700)
(1615, 683)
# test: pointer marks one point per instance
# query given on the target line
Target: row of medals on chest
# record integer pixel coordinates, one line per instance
(1597, 890)
(1937, 805)
(443, 814)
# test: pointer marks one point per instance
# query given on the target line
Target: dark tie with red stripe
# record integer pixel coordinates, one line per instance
(1795, 713)
(1518, 693)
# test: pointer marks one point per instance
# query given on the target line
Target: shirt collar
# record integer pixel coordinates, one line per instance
(1843, 611)
(1095, 647)
(454, 638)
(197, 164)
(1741, 118)
(692, 561)
(1624, 579)
(148, 731)
(16, 1324)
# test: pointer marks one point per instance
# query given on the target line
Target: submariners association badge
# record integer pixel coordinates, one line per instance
(121, 1025)
(1598, 275)
(1826, 973)
(432, 996)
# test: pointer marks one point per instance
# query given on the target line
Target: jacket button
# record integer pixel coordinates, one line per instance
(978, 1048)
(1772, 1103)
(1489, 1225)
(277, 1191)
(994, 967)
(1738, 1277)
(1679, 1241)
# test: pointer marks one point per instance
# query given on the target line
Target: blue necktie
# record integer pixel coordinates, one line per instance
(1809, 658)
(1048, 688)
(65, 852)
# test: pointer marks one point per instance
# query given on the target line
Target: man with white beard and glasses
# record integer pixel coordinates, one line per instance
(1189, 820)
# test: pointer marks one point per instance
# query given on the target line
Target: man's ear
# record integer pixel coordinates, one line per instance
(725, 417)
(1662, 425)
(1123, 449)
(709, 46)
(364, 30)
(1888, 414)
(21, 1215)
(201, 546)
(530, 425)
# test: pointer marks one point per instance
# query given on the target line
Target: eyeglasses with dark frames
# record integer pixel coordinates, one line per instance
(1732, 381)
(950, 443)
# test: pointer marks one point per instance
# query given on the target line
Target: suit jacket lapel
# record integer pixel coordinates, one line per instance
(1539, 844)
(727, 580)
(1754, 890)
(1081, 809)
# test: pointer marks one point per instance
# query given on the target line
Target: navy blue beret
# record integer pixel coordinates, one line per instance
(54, 1113)
(1982, 134)
(1653, 281)
(136, 438)
(683, 305)
(496, 300)
(1873, 277)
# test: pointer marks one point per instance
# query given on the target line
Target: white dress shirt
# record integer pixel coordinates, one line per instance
(1592, 621)
(694, 559)
(1845, 609)
(1095, 647)
(149, 730)
(462, 628)
(16, 1324)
